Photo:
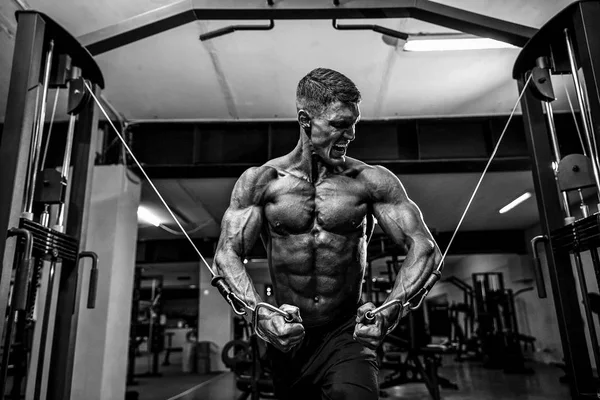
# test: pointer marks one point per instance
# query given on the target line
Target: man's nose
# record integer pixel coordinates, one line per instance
(350, 134)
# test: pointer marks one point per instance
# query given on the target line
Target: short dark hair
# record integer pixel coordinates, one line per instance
(323, 86)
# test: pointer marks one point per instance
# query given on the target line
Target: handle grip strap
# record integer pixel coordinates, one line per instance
(537, 266)
(256, 327)
(238, 305)
(424, 291)
(420, 296)
(93, 284)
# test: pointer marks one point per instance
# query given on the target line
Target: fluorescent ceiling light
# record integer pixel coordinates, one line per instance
(515, 202)
(147, 216)
(449, 44)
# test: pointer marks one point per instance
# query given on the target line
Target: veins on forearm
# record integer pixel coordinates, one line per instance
(415, 270)
(238, 235)
(228, 264)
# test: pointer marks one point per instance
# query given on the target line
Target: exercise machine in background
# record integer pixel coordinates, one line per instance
(246, 357)
(462, 320)
(567, 47)
(407, 353)
(148, 325)
(410, 357)
(497, 329)
(38, 286)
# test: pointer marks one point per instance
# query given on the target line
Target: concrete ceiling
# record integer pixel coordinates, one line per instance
(249, 75)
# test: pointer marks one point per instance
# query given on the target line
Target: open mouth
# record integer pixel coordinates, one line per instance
(338, 150)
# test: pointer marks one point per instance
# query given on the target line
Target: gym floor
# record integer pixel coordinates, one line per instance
(171, 383)
(474, 382)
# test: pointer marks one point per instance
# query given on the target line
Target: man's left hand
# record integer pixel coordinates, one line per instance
(371, 333)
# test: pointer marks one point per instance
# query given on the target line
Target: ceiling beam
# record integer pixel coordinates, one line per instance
(397, 167)
(425, 146)
(186, 11)
(139, 27)
(188, 151)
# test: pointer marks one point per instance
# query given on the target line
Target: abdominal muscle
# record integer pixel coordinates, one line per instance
(319, 272)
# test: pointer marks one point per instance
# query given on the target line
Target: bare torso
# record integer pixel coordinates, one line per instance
(316, 238)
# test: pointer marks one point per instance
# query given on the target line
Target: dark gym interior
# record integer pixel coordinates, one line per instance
(124, 127)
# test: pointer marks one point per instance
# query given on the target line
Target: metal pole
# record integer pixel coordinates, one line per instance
(591, 140)
(552, 127)
(28, 184)
(64, 172)
(151, 326)
(37, 137)
(586, 304)
(70, 133)
(46, 315)
(557, 157)
(596, 265)
(585, 210)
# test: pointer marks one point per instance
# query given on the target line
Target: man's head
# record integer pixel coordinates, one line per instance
(327, 104)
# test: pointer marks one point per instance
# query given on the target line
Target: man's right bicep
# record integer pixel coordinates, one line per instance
(242, 222)
(240, 228)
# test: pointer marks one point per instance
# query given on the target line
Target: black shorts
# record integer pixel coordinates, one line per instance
(328, 364)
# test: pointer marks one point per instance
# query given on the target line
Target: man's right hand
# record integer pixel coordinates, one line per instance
(281, 334)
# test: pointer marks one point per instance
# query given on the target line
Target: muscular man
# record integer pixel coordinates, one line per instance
(314, 210)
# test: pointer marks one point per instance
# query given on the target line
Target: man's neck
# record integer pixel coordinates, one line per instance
(306, 161)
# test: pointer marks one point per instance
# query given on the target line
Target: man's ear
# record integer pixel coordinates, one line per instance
(304, 120)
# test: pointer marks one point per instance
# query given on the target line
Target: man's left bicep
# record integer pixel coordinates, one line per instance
(396, 213)
(402, 220)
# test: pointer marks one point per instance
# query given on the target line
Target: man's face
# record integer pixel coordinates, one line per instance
(333, 130)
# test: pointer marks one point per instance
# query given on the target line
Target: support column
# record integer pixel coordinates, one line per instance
(16, 139)
(560, 270)
(101, 348)
(63, 346)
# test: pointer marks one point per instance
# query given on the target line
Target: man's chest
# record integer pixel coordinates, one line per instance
(337, 204)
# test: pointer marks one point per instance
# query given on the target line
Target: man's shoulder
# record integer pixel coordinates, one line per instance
(251, 185)
(259, 176)
(362, 170)
(278, 163)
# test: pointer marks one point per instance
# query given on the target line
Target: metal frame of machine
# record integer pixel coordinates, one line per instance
(568, 42)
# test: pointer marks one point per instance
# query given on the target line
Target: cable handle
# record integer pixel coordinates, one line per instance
(537, 266)
(93, 285)
(287, 318)
(410, 304)
(238, 305)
